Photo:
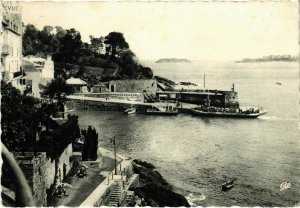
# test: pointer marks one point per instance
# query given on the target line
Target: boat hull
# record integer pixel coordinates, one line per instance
(224, 114)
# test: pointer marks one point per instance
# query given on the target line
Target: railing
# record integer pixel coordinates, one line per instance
(23, 192)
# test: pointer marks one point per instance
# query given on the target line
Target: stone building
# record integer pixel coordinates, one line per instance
(133, 85)
(77, 84)
(38, 72)
(11, 37)
(39, 171)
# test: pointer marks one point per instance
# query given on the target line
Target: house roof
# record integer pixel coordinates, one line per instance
(34, 59)
(75, 81)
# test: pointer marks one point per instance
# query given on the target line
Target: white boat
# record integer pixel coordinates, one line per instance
(130, 111)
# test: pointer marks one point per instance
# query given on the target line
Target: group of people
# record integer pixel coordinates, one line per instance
(61, 190)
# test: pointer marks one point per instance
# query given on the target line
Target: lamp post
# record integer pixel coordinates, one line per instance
(113, 141)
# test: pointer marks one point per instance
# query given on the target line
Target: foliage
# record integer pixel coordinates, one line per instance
(66, 47)
(115, 41)
(147, 72)
(71, 47)
(57, 89)
(56, 141)
(89, 151)
(96, 45)
(42, 42)
(20, 119)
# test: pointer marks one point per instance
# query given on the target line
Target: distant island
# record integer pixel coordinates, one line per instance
(286, 58)
(173, 60)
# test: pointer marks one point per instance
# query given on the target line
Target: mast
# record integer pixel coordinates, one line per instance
(204, 81)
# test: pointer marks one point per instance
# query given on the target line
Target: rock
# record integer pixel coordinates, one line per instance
(154, 189)
(160, 196)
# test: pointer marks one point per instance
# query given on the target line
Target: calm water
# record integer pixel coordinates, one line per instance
(196, 155)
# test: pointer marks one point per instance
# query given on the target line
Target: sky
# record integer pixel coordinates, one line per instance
(193, 30)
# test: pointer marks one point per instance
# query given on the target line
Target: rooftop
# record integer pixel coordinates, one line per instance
(75, 81)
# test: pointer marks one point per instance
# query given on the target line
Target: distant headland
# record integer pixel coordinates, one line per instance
(173, 60)
(286, 58)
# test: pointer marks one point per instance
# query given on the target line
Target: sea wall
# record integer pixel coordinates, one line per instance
(101, 106)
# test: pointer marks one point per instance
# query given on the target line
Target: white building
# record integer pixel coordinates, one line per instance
(38, 71)
(77, 84)
(11, 44)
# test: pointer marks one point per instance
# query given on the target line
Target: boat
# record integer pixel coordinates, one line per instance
(129, 111)
(227, 185)
(241, 112)
(165, 110)
(252, 112)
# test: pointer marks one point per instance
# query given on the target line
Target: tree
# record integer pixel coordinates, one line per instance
(71, 47)
(115, 41)
(20, 119)
(96, 45)
(46, 39)
(31, 41)
(129, 63)
(90, 147)
(57, 90)
(147, 72)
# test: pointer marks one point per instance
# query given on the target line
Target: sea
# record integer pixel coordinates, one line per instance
(196, 155)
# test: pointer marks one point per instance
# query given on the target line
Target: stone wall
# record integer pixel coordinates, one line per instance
(33, 167)
(133, 85)
(115, 95)
(101, 106)
(64, 166)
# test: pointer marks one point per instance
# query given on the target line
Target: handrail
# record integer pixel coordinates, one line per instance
(23, 192)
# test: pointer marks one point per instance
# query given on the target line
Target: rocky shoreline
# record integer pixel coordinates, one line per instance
(153, 189)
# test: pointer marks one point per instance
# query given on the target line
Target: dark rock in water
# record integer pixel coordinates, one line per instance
(147, 173)
(160, 196)
(144, 164)
(154, 189)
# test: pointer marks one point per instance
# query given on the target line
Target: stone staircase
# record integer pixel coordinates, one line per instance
(129, 197)
(115, 196)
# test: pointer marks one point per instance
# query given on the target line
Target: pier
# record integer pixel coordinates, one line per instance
(83, 102)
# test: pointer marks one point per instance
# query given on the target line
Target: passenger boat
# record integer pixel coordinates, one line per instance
(227, 185)
(166, 110)
(252, 112)
(129, 111)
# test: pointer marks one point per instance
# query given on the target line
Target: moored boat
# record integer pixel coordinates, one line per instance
(130, 111)
(166, 110)
(252, 112)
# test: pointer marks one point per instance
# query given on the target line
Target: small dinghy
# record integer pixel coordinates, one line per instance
(130, 111)
(227, 185)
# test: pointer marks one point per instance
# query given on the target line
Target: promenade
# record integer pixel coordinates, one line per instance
(99, 172)
(182, 106)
